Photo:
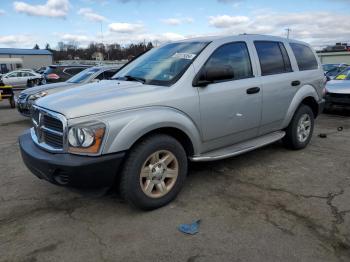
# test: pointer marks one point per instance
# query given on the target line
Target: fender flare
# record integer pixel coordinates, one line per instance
(126, 127)
(302, 93)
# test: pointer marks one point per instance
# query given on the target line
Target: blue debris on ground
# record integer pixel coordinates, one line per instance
(190, 229)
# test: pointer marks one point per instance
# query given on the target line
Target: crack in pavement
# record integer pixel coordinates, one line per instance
(32, 256)
(95, 235)
(18, 122)
(333, 240)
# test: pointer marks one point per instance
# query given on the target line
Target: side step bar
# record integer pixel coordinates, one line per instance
(239, 148)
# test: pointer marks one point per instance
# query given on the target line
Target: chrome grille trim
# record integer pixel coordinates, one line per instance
(39, 130)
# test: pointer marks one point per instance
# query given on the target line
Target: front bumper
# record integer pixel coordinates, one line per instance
(70, 170)
(338, 99)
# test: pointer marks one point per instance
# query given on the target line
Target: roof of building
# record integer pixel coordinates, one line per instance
(20, 51)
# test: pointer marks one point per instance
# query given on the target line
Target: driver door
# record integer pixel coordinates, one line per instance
(231, 108)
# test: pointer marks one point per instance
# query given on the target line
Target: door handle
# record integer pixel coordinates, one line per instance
(253, 90)
(296, 83)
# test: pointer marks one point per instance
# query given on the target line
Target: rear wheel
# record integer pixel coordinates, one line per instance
(154, 172)
(300, 129)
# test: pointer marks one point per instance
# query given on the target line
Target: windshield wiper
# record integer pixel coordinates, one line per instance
(134, 78)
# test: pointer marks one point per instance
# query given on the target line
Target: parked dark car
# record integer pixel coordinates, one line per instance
(338, 90)
(61, 73)
(94, 74)
(331, 70)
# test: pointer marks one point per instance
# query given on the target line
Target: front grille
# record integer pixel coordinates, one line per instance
(53, 123)
(48, 129)
(53, 140)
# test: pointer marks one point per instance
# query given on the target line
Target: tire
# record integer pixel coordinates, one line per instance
(12, 102)
(133, 185)
(295, 140)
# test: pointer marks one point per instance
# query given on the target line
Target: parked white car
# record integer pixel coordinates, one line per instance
(21, 78)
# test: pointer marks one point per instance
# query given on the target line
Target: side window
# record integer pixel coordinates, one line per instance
(305, 57)
(12, 75)
(110, 73)
(73, 71)
(101, 76)
(273, 58)
(235, 56)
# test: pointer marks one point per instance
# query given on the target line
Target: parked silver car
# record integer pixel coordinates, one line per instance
(200, 99)
(338, 90)
(20, 78)
(27, 97)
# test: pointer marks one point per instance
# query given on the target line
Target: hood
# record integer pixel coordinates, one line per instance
(37, 89)
(100, 97)
(338, 86)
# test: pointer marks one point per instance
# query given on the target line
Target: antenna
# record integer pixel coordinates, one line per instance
(288, 31)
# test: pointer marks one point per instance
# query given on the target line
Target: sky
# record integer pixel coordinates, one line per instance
(27, 22)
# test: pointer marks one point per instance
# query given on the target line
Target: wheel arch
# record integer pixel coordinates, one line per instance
(176, 133)
(158, 120)
(306, 95)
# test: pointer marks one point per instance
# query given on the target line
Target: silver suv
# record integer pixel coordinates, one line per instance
(200, 100)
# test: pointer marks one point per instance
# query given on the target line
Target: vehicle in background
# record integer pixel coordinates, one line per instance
(21, 78)
(331, 70)
(6, 92)
(61, 73)
(200, 99)
(28, 70)
(27, 97)
(329, 67)
(338, 90)
(41, 70)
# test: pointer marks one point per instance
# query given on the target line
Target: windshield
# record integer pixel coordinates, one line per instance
(82, 76)
(328, 67)
(162, 66)
(345, 75)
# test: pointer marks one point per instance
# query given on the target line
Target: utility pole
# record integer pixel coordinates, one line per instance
(101, 34)
(288, 31)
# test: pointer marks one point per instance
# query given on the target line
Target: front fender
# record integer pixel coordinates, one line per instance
(302, 93)
(125, 128)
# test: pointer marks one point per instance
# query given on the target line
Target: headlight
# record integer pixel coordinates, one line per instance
(37, 95)
(86, 138)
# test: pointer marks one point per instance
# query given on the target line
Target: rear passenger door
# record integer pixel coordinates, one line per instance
(279, 83)
(230, 112)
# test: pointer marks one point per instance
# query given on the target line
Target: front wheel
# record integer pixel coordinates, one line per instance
(154, 172)
(300, 129)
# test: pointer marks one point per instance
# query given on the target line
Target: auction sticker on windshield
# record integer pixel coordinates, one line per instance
(184, 56)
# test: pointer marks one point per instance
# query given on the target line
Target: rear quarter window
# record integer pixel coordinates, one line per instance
(273, 58)
(305, 57)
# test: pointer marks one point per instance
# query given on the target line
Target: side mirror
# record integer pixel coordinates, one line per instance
(213, 74)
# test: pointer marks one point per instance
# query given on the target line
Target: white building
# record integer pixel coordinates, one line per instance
(14, 58)
(335, 57)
